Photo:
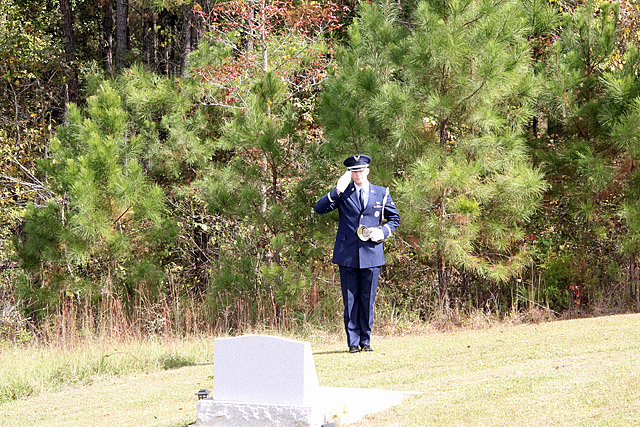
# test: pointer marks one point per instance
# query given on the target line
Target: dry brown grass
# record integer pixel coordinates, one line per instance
(564, 373)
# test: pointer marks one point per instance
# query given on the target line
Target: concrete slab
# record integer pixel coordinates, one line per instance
(349, 405)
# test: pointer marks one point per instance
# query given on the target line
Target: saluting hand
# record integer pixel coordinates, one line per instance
(343, 182)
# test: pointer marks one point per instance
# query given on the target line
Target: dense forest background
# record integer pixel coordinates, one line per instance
(161, 159)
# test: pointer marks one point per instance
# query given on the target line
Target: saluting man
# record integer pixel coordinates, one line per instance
(359, 255)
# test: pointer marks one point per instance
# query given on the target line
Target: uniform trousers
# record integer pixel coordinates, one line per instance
(359, 286)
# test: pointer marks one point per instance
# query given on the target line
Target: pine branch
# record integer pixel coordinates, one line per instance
(121, 215)
(482, 14)
(37, 188)
(8, 265)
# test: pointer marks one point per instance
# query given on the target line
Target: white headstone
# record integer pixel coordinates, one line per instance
(264, 369)
(267, 381)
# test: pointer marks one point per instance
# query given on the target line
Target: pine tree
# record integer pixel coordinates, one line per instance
(443, 102)
(621, 115)
(260, 68)
(591, 98)
(589, 151)
(104, 226)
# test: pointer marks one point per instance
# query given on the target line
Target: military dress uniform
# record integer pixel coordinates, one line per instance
(359, 261)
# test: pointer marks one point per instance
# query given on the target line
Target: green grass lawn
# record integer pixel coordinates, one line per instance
(579, 372)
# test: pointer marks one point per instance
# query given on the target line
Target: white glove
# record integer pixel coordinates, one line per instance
(343, 182)
(377, 235)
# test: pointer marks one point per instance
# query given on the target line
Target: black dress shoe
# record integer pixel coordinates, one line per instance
(354, 349)
(366, 348)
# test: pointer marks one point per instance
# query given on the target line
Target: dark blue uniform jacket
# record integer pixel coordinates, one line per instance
(349, 250)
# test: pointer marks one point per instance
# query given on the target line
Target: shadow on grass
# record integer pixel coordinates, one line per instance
(320, 353)
(175, 361)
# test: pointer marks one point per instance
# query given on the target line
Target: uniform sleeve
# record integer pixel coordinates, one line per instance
(392, 216)
(328, 202)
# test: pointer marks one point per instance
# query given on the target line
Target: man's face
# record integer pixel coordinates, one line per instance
(360, 177)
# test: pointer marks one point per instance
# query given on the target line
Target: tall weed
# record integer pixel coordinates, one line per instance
(34, 369)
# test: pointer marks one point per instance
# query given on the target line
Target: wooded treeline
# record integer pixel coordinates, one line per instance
(161, 158)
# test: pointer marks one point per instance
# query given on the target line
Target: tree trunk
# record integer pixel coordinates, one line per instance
(263, 38)
(633, 279)
(70, 51)
(154, 42)
(196, 28)
(122, 33)
(187, 22)
(443, 284)
(165, 43)
(107, 28)
(443, 133)
(148, 37)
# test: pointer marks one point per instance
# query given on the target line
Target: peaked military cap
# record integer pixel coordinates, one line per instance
(357, 162)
